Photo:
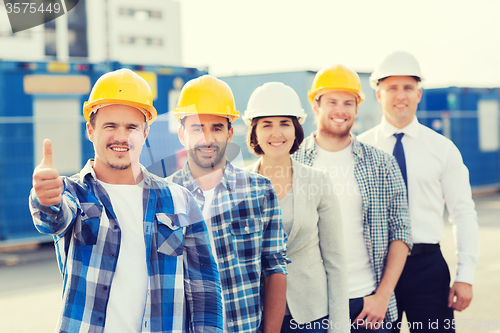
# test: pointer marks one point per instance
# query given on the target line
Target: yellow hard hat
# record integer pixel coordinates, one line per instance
(206, 95)
(336, 77)
(122, 86)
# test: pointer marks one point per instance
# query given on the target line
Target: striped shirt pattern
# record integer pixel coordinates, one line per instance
(249, 240)
(183, 292)
(385, 207)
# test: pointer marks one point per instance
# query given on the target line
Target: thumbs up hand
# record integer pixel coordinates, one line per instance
(47, 184)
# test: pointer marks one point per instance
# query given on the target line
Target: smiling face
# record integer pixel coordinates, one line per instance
(335, 113)
(118, 135)
(205, 138)
(399, 96)
(275, 135)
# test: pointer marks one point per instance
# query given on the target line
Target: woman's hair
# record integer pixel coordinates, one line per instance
(253, 145)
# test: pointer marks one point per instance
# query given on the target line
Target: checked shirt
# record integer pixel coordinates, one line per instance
(385, 208)
(248, 237)
(183, 292)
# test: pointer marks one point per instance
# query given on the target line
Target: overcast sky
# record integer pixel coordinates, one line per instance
(456, 42)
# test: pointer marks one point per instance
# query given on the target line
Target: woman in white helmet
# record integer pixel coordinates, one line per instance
(317, 289)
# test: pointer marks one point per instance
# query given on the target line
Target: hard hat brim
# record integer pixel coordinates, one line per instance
(248, 119)
(316, 93)
(150, 115)
(180, 113)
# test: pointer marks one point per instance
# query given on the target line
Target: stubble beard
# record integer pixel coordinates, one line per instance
(220, 152)
(338, 135)
(119, 167)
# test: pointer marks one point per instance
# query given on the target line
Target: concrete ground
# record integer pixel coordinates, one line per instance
(30, 282)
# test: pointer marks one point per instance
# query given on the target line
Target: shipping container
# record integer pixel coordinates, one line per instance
(469, 117)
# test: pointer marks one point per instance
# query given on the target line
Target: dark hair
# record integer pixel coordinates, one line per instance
(183, 123)
(253, 145)
(93, 115)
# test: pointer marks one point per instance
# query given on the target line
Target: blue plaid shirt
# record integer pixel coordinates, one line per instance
(385, 208)
(248, 237)
(183, 287)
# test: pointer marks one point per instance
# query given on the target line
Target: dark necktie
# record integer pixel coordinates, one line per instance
(399, 153)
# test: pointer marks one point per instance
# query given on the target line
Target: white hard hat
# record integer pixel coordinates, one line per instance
(274, 99)
(398, 63)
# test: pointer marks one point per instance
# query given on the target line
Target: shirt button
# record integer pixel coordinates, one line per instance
(83, 213)
(246, 228)
(105, 288)
(100, 318)
(112, 255)
(115, 227)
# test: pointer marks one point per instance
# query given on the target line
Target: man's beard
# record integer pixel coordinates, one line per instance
(327, 132)
(119, 167)
(218, 153)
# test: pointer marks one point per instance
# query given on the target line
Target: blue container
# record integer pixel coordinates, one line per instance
(456, 113)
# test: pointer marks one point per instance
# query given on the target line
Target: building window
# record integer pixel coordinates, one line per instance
(141, 41)
(77, 26)
(77, 33)
(50, 39)
(140, 14)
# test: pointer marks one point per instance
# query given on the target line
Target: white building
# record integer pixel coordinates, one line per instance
(128, 31)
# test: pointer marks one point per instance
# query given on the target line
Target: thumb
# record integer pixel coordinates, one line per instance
(47, 154)
(451, 297)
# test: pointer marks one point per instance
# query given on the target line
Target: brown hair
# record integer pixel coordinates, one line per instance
(253, 145)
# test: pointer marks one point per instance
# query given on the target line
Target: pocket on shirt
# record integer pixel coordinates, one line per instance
(247, 239)
(170, 234)
(86, 227)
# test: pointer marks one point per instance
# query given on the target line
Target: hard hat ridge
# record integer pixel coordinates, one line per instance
(123, 87)
(398, 63)
(336, 77)
(274, 99)
(206, 95)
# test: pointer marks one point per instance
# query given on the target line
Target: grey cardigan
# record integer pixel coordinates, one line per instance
(317, 277)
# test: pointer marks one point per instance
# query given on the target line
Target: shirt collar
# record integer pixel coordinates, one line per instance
(229, 178)
(89, 170)
(310, 143)
(357, 149)
(389, 130)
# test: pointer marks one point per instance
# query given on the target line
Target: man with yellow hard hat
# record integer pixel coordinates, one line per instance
(372, 195)
(435, 176)
(129, 245)
(240, 208)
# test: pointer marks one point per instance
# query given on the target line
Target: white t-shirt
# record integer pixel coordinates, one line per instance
(340, 166)
(207, 215)
(127, 297)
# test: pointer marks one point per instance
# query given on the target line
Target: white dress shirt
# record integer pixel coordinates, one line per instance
(436, 176)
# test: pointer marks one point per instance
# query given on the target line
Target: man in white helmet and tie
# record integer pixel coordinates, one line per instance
(435, 175)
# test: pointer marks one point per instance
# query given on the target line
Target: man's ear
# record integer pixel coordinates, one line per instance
(315, 107)
(377, 94)
(230, 134)
(90, 132)
(180, 133)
